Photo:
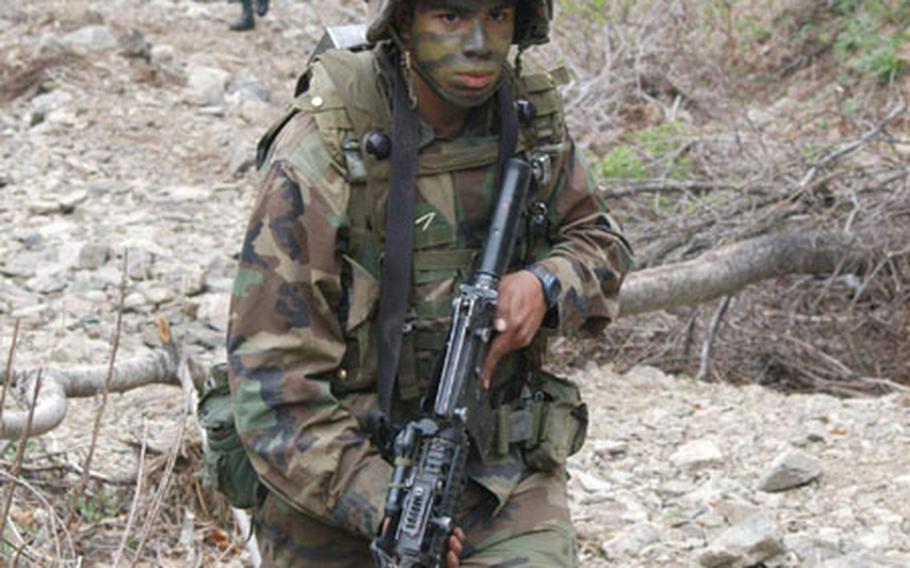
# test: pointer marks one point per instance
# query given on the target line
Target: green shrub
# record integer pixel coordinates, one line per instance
(873, 36)
(655, 151)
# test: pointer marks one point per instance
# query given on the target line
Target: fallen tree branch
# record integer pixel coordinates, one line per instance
(724, 271)
(84, 381)
(717, 273)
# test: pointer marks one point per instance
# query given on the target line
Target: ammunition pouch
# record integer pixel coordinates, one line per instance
(226, 466)
(549, 422)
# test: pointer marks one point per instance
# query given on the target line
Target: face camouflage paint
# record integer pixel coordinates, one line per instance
(460, 46)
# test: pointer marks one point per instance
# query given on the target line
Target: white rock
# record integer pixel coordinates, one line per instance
(90, 38)
(790, 469)
(698, 454)
(747, 543)
(205, 85)
(592, 483)
(213, 309)
(632, 540)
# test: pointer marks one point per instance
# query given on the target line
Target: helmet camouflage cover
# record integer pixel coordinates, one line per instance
(532, 26)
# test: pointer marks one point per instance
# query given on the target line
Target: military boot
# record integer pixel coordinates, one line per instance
(262, 7)
(245, 22)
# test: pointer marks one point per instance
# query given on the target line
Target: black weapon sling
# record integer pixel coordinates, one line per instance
(395, 280)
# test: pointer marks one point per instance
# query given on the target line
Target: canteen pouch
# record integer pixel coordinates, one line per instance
(563, 423)
(226, 467)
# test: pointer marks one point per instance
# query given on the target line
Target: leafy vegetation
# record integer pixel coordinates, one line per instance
(656, 151)
(874, 34)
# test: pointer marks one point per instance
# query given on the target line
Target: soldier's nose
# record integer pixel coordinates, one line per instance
(477, 43)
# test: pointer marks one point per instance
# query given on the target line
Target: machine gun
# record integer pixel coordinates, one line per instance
(431, 451)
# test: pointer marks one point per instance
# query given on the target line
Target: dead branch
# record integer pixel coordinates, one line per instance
(152, 517)
(7, 379)
(20, 455)
(718, 273)
(134, 507)
(158, 366)
(105, 392)
(724, 271)
(704, 367)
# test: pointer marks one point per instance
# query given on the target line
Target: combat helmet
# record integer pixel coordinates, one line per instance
(532, 25)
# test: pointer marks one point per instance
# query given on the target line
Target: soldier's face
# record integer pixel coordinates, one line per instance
(463, 45)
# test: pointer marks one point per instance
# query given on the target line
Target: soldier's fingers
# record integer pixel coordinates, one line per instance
(452, 560)
(497, 349)
(459, 534)
(455, 545)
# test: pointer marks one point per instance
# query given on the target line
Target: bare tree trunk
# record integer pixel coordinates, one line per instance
(724, 271)
(718, 273)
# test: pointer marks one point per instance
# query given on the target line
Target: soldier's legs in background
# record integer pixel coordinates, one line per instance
(262, 7)
(532, 530)
(289, 538)
(245, 22)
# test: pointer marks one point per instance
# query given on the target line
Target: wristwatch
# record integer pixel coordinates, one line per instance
(549, 283)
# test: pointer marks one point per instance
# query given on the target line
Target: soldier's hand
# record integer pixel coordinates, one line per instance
(456, 545)
(519, 311)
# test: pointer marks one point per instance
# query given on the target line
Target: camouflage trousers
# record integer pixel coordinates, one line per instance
(533, 529)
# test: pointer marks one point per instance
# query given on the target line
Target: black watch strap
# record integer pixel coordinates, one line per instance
(550, 284)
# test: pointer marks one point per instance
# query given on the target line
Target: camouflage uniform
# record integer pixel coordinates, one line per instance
(302, 345)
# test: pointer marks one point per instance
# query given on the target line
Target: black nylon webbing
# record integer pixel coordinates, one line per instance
(399, 226)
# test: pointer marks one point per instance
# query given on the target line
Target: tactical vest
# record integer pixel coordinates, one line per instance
(345, 93)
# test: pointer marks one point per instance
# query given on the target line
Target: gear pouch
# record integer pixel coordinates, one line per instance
(226, 468)
(563, 424)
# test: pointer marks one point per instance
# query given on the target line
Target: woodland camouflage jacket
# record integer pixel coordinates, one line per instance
(301, 350)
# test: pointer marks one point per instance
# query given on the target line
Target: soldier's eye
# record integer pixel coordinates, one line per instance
(500, 15)
(449, 17)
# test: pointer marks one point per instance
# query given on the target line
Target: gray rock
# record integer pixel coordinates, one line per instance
(242, 157)
(181, 193)
(133, 44)
(134, 301)
(79, 349)
(50, 45)
(93, 256)
(698, 454)
(205, 86)
(245, 86)
(64, 203)
(22, 265)
(869, 560)
(791, 469)
(90, 39)
(47, 283)
(747, 543)
(213, 309)
(610, 448)
(140, 264)
(592, 483)
(631, 541)
(163, 55)
(674, 488)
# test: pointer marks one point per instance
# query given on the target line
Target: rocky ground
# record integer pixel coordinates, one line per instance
(126, 136)
(683, 473)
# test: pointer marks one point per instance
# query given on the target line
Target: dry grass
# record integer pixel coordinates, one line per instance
(723, 137)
